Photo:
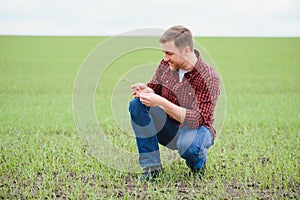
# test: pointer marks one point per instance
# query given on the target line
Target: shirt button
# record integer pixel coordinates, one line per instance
(190, 93)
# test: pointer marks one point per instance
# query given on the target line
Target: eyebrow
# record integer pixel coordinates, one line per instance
(168, 52)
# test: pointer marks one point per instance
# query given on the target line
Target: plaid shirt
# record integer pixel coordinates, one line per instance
(198, 92)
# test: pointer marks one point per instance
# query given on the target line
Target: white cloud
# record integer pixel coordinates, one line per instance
(214, 17)
(264, 7)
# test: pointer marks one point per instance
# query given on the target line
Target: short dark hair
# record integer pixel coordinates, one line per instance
(181, 36)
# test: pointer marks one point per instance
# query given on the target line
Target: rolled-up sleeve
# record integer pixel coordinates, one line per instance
(202, 109)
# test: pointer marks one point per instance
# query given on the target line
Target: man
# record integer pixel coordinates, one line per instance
(176, 107)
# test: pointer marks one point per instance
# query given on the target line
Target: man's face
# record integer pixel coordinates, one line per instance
(174, 56)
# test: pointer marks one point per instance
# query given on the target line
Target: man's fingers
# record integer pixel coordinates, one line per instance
(137, 88)
(139, 85)
(142, 86)
(145, 102)
(133, 87)
(144, 97)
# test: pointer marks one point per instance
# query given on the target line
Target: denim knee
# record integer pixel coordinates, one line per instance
(193, 143)
(188, 150)
(134, 103)
(139, 112)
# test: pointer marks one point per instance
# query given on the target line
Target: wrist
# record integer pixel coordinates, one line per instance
(163, 103)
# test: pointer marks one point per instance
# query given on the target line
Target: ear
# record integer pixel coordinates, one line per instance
(187, 49)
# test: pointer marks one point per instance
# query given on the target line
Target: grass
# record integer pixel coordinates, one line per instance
(42, 155)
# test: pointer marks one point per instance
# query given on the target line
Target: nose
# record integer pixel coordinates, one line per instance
(166, 58)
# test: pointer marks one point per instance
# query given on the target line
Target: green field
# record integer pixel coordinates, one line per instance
(257, 155)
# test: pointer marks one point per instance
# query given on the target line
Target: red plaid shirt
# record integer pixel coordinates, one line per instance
(198, 92)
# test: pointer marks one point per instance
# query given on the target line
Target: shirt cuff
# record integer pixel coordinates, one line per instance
(192, 118)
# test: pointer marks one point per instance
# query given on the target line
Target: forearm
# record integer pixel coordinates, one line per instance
(176, 112)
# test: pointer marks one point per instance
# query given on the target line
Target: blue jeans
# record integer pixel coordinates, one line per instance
(152, 126)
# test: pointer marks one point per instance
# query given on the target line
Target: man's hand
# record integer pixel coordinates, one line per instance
(151, 99)
(139, 88)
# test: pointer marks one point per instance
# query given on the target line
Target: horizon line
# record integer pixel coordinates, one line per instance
(214, 36)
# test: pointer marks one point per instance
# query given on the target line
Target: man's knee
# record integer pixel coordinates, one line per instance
(189, 149)
(194, 144)
(135, 106)
(139, 112)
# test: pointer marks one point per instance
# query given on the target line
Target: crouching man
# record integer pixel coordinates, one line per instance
(176, 108)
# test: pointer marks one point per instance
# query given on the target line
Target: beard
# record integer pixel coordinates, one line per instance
(175, 66)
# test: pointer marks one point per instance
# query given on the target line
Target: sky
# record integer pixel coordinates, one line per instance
(259, 18)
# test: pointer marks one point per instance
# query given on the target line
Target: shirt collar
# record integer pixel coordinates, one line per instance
(198, 65)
